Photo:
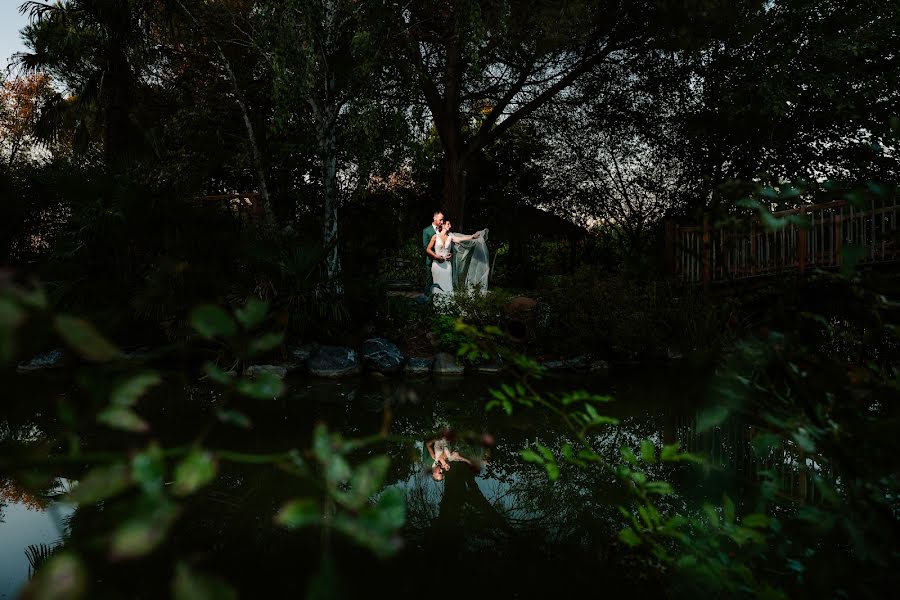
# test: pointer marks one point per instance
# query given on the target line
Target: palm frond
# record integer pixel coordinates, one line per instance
(38, 554)
(38, 11)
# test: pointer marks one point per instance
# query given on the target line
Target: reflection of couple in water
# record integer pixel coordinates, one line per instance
(463, 506)
(442, 456)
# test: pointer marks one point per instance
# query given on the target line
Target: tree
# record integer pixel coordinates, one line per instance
(123, 63)
(222, 61)
(800, 90)
(21, 100)
(325, 54)
(98, 50)
(617, 159)
(516, 56)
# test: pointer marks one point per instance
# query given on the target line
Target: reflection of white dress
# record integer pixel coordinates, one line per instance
(441, 272)
(441, 449)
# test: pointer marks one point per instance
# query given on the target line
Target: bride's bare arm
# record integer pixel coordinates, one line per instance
(456, 237)
(430, 250)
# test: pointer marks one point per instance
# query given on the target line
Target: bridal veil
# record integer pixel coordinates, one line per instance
(471, 266)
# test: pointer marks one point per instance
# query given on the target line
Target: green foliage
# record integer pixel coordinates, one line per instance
(212, 321)
(822, 384)
(400, 318)
(407, 267)
(444, 327)
(770, 92)
(587, 312)
(468, 308)
(63, 576)
(190, 585)
(82, 337)
(820, 399)
(129, 488)
(194, 471)
(691, 542)
(349, 491)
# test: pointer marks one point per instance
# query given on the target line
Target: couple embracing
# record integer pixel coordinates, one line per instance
(454, 260)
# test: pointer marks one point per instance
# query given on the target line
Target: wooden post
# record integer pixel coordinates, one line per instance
(803, 479)
(801, 245)
(754, 249)
(707, 254)
(671, 240)
(837, 230)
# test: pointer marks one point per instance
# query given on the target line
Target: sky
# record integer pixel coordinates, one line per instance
(10, 24)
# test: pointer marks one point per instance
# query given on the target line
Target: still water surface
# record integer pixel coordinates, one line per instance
(503, 530)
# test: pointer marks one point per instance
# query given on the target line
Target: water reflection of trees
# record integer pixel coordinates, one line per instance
(509, 503)
(23, 439)
(583, 503)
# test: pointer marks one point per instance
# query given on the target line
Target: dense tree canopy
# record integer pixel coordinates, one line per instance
(613, 114)
(200, 197)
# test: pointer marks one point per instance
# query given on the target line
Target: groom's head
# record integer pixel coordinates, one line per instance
(438, 219)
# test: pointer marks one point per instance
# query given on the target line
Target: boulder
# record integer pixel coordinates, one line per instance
(520, 317)
(382, 356)
(488, 369)
(254, 371)
(419, 366)
(137, 353)
(576, 363)
(333, 361)
(445, 365)
(298, 357)
(491, 367)
(301, 354)
(521, 305)
(599, 367)
(49, 360)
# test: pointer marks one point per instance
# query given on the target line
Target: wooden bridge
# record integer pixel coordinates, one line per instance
(820, 238)
(729, 448)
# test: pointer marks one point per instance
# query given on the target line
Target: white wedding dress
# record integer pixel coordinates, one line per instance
(442, 272)
(468, 265)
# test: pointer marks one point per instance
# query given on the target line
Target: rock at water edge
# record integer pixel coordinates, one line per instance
(334, 361)
(254, 371)
(419, 366)
(381, 355)
(445, 364)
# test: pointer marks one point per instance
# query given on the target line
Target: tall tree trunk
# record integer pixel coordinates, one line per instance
(453, 136)
(328, 147)
(326, 113)
(454, 189)
(116, 101)
(268, 214)
(445, 102)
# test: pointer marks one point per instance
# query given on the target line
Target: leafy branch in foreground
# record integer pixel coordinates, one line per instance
(141, 494)
(703, 543)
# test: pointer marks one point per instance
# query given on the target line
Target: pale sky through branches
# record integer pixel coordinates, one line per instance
(11, 23)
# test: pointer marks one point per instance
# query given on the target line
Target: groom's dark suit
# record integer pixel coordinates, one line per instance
(427, 234)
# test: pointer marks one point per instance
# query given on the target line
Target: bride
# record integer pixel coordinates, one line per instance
(468, 253)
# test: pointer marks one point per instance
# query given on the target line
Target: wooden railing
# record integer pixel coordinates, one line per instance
(743, 249)
(729, 447)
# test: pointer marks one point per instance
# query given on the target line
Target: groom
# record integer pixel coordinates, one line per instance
(427, 234)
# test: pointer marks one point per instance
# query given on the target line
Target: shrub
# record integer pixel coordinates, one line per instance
(473, 307)
(406, 266)
(613, 315)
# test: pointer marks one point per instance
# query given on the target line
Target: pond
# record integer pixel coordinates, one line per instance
(499, 527)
